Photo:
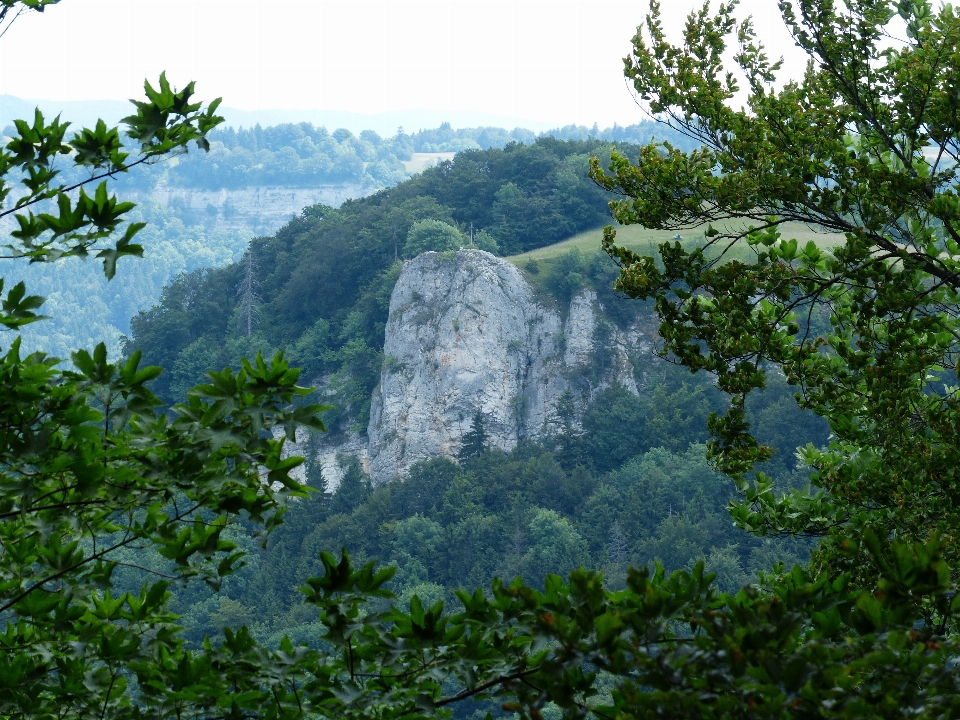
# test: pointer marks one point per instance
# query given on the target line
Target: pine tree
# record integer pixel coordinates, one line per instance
(354, 487)
(474, 442)
(568, 445)
(312, 467)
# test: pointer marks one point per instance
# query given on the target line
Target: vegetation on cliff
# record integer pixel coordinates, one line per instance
(99, 488)
(324, 281)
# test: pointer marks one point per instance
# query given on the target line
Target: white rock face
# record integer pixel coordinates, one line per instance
(263, 209)
(328, 453)
(354, 444)
(467, 333)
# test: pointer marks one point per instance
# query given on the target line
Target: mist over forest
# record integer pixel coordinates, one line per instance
(413, 416)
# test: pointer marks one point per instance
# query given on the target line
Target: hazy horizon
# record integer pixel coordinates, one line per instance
(84, 112)
(539, 64)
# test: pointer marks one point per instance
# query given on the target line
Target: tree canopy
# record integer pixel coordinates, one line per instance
(865, 144)
(431, 236)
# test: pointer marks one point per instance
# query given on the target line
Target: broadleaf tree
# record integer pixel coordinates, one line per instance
(96, 475)
(91, 467)
(864, 145)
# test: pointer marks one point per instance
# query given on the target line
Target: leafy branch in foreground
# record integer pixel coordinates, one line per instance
(94, 476)
(796, 646)
(20, 7)
(88, 468)
(163, 124)
(864, 145)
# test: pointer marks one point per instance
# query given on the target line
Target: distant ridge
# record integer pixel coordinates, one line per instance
(385, 124)
(86, 112)
(82, 112)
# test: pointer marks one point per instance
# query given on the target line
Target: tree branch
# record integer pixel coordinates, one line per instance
(464, 694)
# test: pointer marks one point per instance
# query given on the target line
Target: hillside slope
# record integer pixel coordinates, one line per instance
(323, 282)
(202, 209)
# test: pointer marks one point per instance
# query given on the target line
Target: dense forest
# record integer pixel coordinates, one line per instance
(165, 559)
(320, 288)
(622, 482)
(304, 155)
(181, 238)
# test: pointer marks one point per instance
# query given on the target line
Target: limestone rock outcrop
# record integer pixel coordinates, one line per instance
(467, 332)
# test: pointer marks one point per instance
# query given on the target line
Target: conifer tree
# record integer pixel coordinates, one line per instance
(568, 445)
(474, 442)
(354, 487)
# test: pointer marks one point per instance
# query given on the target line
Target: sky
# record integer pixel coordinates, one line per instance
(553, 63)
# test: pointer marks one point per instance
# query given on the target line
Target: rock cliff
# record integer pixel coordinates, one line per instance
(466, 331)
(261, 209)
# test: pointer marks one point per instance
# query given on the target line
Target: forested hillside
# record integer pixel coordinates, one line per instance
(629, 486)
(202, 209)
(747, 463)
(320, 288)
(304, 155)
(620, 482)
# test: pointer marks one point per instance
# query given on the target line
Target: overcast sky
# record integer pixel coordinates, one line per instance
(556, 62)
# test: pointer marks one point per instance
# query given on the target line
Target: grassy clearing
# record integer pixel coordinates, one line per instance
(421, 161)
(645, 241)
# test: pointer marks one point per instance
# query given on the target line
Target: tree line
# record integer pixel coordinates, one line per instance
(98, 473)
(325, 279)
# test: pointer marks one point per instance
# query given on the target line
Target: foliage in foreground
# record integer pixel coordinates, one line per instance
(90, 469)
(865, 145)
(86, 465)
(797, 646)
